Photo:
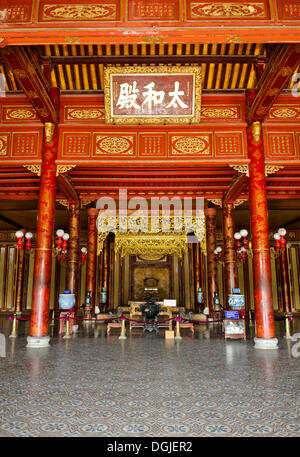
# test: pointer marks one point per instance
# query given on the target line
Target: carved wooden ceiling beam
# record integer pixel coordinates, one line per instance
(237, 187)
(278, 71)
(66, 187)
(150, 59)
(28, 73)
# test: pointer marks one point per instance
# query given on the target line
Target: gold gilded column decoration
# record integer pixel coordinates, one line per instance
(256, 131)
(49, 130)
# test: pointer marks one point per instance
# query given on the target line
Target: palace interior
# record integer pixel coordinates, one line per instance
(59, 154)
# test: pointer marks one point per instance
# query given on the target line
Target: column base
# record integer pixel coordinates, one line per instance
(122, 337)
(266, 343)
(37, 341)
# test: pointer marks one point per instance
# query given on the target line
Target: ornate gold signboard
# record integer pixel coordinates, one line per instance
(140, 95)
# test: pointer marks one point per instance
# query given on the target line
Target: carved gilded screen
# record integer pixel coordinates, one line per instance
(139, 95)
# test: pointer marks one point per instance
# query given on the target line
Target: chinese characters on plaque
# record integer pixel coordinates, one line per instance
(152, 95)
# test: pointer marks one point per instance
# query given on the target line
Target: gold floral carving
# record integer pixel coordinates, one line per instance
(285, 113)
(63, 202)
(112, 145)
(34, 169)
(190, 145)
(220, 113)
(3, 145)
(85, 114)
(75, 12)
(170, 228)
(234, 39)
(216, 201)
(20, 113)
(149, 244)
(239, 202)
(63, 169)
(243, 169)
(73, 40)
(227, 9)
(86, 201)
(270, 169)
(153, 39)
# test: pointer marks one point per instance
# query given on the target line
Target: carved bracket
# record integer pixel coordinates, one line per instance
(269, 169)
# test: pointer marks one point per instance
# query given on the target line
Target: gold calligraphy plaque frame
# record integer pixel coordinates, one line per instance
(164, 70)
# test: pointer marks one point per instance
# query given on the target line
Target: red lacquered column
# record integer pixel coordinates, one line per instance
(38, 335)
(287, 307)
(212, 283)
(264, 315)
(73, 250)
(230, 268)
(20, 272)
(91, 259)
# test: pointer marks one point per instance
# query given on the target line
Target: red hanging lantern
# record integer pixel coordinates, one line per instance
(282, 233)
(277, 242)
(237, 237)
(83, 254)
(244, 234)
(28, 237)
(66, 236)
(20, 236)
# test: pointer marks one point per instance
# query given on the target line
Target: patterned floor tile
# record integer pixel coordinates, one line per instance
(201, 386)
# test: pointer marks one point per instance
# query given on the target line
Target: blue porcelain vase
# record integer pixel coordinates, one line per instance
(66, 301)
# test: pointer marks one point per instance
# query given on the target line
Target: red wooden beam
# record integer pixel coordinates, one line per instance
(276, 75)
(237, 186)
(65, 186)
(29, 75)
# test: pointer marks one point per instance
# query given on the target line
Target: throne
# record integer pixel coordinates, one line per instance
(151, 288)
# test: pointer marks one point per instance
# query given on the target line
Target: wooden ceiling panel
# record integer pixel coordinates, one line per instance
(81, 67)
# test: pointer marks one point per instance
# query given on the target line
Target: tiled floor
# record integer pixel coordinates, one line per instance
(92, 385)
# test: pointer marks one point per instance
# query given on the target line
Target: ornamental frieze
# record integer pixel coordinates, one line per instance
(220, 113)
(190, 145)
(19, 114)
(228, 10)
(80, 12)
(84, 114)
(114, 145)
(284, 113)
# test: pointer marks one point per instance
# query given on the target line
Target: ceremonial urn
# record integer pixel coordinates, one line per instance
(217, 304)
(66, 300)
(103, 296)
(199, 296)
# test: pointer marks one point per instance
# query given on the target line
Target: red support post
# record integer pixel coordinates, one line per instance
(38, 334)
(264, 314)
